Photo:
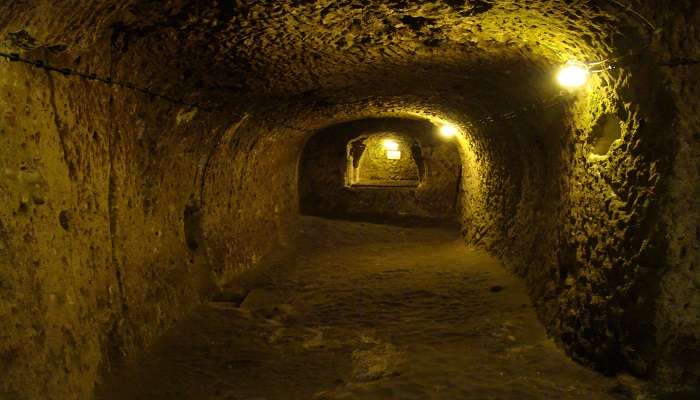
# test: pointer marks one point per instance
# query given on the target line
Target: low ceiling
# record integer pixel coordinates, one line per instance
(486, 55)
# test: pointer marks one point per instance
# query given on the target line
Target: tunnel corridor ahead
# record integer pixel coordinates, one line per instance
(155, 154)
(357, 310)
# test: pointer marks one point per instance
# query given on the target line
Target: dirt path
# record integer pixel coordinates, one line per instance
(365, 311)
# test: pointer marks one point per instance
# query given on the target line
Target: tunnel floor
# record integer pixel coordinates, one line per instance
(356, 310)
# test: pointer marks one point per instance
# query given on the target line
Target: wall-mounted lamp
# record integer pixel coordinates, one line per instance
(393, 154)
(390, 145)
(448, 131)
(573, 75)
(392, 149)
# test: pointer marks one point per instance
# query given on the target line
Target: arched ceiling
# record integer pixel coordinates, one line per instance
(486, 55)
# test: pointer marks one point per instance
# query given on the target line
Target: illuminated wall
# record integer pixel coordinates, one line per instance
(422, 183)
(387, 159)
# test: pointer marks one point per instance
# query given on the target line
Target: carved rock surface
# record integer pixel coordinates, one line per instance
(149, 155)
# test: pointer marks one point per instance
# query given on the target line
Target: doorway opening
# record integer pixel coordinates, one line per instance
(384, 160)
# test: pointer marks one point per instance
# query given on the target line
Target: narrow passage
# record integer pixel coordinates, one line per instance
(356, 310)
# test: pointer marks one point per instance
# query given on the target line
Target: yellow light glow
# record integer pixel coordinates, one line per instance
(573, 75)
(393, 154)
(448, 130)
(391, 145)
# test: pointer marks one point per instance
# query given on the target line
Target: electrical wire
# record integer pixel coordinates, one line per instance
(539, 106)
(607, 64)
(654, 31)
(636, 13)
(42, 64)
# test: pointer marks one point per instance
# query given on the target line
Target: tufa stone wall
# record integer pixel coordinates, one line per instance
(118, 207)
(116, 219)
(374, 164)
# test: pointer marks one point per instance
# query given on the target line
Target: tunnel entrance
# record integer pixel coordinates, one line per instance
(383, 167)
(384, 160)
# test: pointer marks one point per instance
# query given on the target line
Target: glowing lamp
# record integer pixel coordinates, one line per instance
(573, 75)
(448, 131)
(391, 145)
(393, 154)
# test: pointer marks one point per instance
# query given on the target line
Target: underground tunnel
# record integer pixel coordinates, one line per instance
(295, 199)
(379, 169)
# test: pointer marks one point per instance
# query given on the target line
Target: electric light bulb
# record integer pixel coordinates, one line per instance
(390, 145)
(573, 75)
(393, 154)
(448, 130)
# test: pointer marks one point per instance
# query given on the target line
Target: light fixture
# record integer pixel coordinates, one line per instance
(393, 154)
(390, 144)
(448, 130)
(573, 75)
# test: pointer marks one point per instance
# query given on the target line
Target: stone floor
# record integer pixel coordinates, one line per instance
(365, 311)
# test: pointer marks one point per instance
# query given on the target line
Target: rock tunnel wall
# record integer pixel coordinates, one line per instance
(385, 158)
(590, 227)
(250, 195)
(677, 316)
(120, 210)
(118, 214)
(86, 231)
(323, 166)
(581, 230)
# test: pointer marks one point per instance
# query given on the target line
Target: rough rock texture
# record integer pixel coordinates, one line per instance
(103, 239)
(121, 204)
(374, 164)
(677, 319)
(96, 189)
(323, 185)
(337, 321)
